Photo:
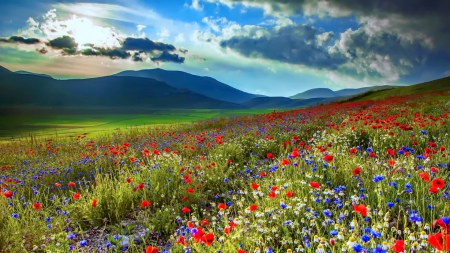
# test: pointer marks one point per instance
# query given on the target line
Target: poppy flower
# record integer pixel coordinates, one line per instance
(255, 186)
(222, 206)
(71, 184)
(314, 185)
(141, 186)
(362, 209)
(145, 203)
(392, 162)
(425, 176)
(151, 249)
(440, 241)
(285, 162)
(438, 183)
(356, 171)
(190, 190)
(128, 179)
(269, 156)
(434, 170)
(186, 210)
(57, 185)
(272, 195)
(328, 158)
(399, 246)
(94, 203)
(181, 240)
(290, 194)
(37, 206)
(444, 223)
(204, 222)
(253, 207)
(433, 190)
(208, 239)
(76, 196)
(7, 194)
(132, 159)
(241, 251)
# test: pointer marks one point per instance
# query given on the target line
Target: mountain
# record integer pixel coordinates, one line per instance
(327, 93)
(109, 91)
(315, 93)
(22, 72)
(282, 102)
(201, 84)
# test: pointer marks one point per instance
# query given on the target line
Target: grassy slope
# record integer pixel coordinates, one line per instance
(432, 86)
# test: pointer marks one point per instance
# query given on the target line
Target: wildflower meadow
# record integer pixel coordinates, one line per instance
(356, 176)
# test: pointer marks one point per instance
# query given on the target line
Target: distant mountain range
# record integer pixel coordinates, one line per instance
(200, 84)
(114, 91)
(327, 93)
(150, 89)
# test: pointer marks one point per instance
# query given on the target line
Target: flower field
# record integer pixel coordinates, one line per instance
(368, 176)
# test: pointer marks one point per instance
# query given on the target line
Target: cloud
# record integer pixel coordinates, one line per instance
(168, 57)
(140, 27)
(195, 5)
(294, 44)
(42, 50)
(66, 43)
(19, 39)
(115, 53)
(144, 44)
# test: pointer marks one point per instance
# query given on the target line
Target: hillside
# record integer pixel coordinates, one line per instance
(431, 86)
(282, 102)
(30, 73)
(114, 91)
(327, 93)
(200, 84)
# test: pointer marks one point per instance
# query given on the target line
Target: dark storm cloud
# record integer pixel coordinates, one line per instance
(144, 44)
(430, 18)
(18, 39)
(168, 57)
(42, 50)
(295, 44)
(115, 53)
(66, 43)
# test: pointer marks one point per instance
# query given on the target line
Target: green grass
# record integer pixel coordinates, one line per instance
(432, 86)
(21, 126)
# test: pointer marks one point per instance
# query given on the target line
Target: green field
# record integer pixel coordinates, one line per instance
(46, 125)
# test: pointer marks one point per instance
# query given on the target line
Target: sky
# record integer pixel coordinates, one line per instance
(268, 47)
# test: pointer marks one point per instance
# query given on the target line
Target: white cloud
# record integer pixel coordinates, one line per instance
(140, 27)
(163, 33)
(180, 38)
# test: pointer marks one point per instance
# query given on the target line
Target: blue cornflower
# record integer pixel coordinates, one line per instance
(15, 215)
(446, 220)
(365, 238)
(390, 204)
(83, 243)
(358, 248)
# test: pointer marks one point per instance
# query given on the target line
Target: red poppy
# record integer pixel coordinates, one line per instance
(222, 206)
(255, 186)
(434, 170)
(433, 190)
(314, 185)
(272, 195)
(208, 239)
(440, 241)
(392, 162)
(185, 198)
(262, 174)
(145, 203)
(151, 249)
(132, 159)
(37, 206)
(7, 194)
(204, 222)
(181, 240)
(328, 158)
(190, 190)
(253, 207)
(438, 183)
(353, 151)
(241, 251)
(269, 156)
(141, 186)
(362, 209)
(356, 171)
(71, 184)
(399, 246)
(290, 194)
(443, 225)
(57, 185)
(425, 176)
(186, 210)
(76, 196)
(285, 162)
(295, 154)
(94, 203)
(128, 179)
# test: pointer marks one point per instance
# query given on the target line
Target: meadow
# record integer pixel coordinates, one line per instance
(359, 176)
